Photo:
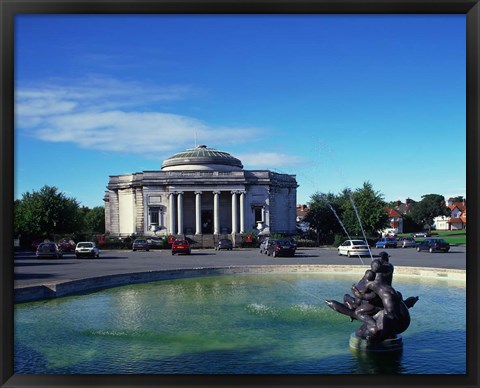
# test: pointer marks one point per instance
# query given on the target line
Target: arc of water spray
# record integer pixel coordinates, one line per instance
(343, 226)
(361, 226)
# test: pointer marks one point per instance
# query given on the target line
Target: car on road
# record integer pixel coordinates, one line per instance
(140, 244)
(281, 248)
(265, 244)
(386, 242)
(353, 248)
(181, 246)
(406, 242)
(36, 243)
(421, 234)
(224, 243)
(87, 249)
(433, 245)
(66, 245)
(48, 249)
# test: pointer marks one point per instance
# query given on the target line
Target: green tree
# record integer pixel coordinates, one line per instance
(94, 220)
(45, 213)
(364, 209)
(321, 217)
(431, 206)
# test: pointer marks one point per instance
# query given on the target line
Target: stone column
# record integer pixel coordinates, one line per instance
(234, 212)
(171, 213)
(216, 212)
(180, 211)
(242, 212)
(198, 212)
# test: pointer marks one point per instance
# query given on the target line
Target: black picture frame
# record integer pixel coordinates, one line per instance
(10, 8)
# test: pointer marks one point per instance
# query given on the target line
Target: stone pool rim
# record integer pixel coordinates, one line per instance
(91, 284)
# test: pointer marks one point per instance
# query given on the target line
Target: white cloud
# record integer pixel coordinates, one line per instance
(106, 114)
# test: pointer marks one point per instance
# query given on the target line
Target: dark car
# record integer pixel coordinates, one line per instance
(181, 246)
(433, 245)
(224, 243)
(48, 249)
(386, 242)
(36, 243)
(66, 245)
(281, 248)
(140, 244)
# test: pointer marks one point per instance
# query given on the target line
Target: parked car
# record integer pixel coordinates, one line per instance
(181, 246)
(281, 248)
(386, 242)
(421, 234)
(224, 243)
(433, 245)
(36, 243)
(265, 244)
(406, 242)
(155, 242)
(140, 244)
(87, 249)
(48, 249)
(353, 247)
(66, 245)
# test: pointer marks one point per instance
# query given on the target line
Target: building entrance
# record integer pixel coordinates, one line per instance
(207, 221)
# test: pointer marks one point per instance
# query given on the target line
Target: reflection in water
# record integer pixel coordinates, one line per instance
(250, 323)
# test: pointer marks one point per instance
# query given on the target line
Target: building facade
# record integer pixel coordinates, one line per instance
(199, 192)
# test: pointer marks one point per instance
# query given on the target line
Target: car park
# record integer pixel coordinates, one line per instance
(386, 242)
(224, 243)
(406, 242)
(433, 245)
(181, 246)
(48, 249)
(353, 248)
(87, 249)
(140, 244)
(281, 248)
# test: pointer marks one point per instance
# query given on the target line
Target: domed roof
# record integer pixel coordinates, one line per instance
(202, 158)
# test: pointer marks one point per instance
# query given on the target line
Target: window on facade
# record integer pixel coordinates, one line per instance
(258, 214)
(154, 215)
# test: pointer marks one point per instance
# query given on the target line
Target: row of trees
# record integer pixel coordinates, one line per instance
(361, 213)
(49, 213)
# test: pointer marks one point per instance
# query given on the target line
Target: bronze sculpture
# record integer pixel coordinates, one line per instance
(381, 309)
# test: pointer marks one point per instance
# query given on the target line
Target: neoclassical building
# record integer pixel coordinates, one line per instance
(200, 192)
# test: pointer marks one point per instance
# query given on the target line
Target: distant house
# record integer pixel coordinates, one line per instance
(395, 220)
(458, 215)
(404, 208)
(457, 220)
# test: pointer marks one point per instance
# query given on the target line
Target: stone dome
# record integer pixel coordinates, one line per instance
(202, 158)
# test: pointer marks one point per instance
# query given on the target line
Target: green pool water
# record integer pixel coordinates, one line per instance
(239, 324)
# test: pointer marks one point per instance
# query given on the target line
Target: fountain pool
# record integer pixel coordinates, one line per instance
(269, 323)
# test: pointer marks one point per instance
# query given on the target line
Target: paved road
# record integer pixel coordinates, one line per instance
(30, 271)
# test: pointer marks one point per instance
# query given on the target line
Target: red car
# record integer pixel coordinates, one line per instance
(181, 246)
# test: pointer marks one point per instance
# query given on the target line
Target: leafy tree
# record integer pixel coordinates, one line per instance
(321, 217)
(364, 209)
(94, 220)
(46, 212)
(431, 206)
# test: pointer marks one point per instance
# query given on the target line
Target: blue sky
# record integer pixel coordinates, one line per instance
(335, 100)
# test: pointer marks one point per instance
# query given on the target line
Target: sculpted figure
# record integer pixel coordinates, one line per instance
(376, 303)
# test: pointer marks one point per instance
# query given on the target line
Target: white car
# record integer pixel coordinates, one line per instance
(353, 248)
(87, 249)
